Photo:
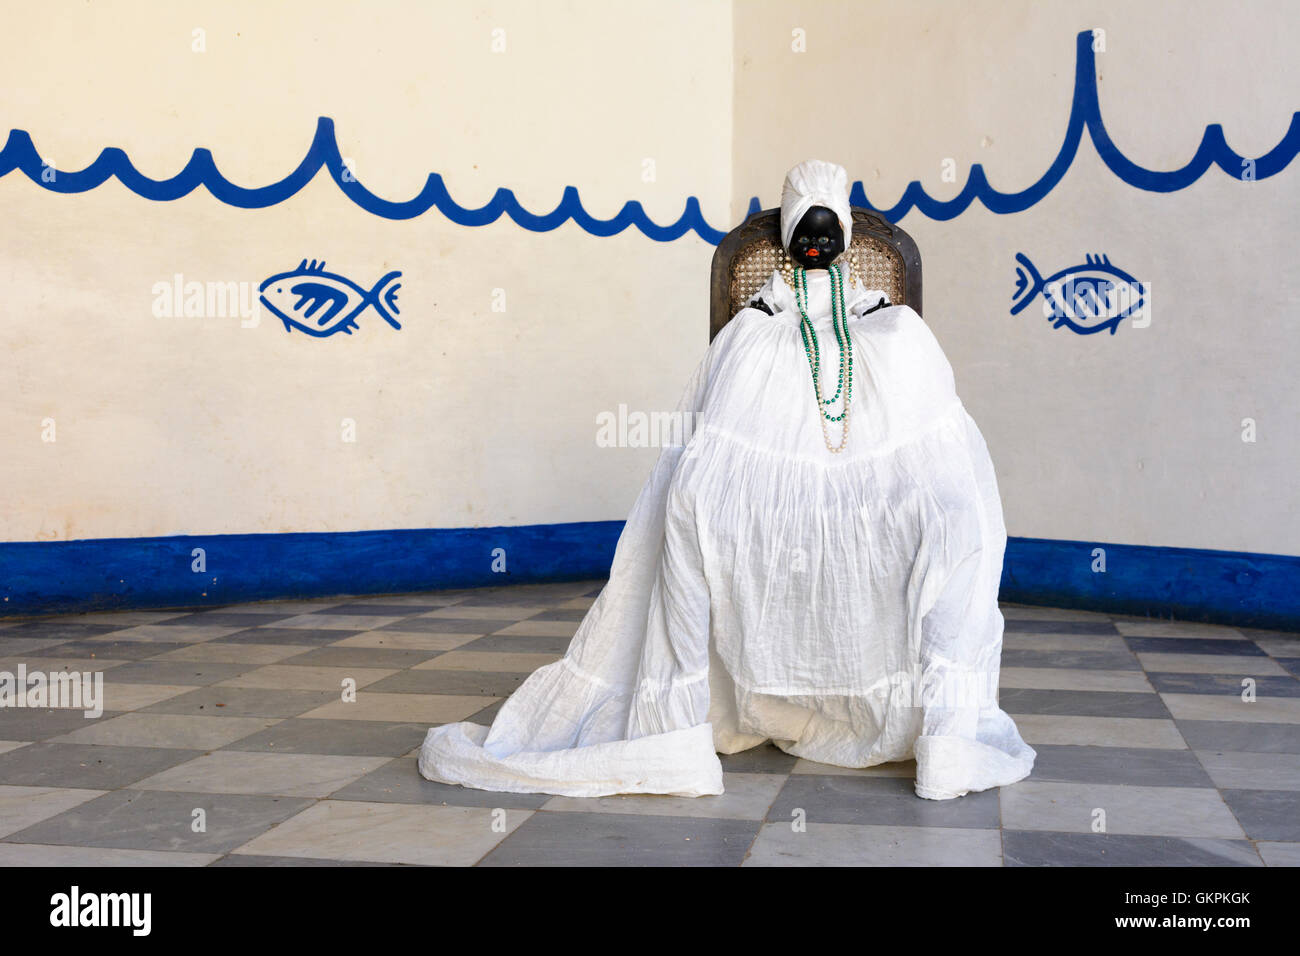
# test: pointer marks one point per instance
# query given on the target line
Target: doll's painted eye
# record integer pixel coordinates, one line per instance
(824, 241)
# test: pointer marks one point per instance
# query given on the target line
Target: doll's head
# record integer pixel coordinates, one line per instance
(818, 239)
(816, 219)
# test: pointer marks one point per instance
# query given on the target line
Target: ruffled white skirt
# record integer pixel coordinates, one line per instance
(842, 606)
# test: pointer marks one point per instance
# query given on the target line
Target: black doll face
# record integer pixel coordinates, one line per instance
(818, 239)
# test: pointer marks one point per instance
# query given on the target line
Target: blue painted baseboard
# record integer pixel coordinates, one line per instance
(51, 577)
(1224, 587)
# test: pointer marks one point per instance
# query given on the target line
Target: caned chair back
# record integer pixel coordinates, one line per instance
(881, 255)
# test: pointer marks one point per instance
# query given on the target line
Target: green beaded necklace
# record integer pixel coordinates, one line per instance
(813, 350)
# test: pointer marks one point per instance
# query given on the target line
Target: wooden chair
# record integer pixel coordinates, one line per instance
(882, 255)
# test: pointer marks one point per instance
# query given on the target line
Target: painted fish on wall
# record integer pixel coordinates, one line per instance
(341, 300)
(1086, 298)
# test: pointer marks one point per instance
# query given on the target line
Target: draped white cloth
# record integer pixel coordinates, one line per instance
(843, 606)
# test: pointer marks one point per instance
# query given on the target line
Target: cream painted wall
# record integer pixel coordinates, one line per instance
(464, 417)
(472, 417)
(1134, 438)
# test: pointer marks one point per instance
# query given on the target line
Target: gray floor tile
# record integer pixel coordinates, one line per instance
(419, 599)
(878, 801)
(113, 650)
(246, 772)
(480, 683)
(1231, 707)
(1047, 848)
(160, 634)
(292, 608)
(300, 677)
(747, 796)
(22, 807)
(432, 709)
(895, 768)
(504, 662)
(1062, 678)
(85, 766)
(178, 731)
(17, 646)
(45, 855)
(400, 782)
(1217, 664)
(1013, 626)
(1034, 612)
(1246, 737)
(408, 641)
(1110, 643)
(837, 844)
(447, 625)
(1238, 770)
(349, 623)
(1279, 854)
(288, 635)
(523, 643)
(1193, 645)
(1080, 660)
(487, 715)
(1147, 811)
(58, 629)
(361, 738)
(493, 615)
(765, 758)
(232, 618)
(1263, 814)
(243, 702)
(532, 627)
(503, 600)
(378, 609)
(1265, 634)
(196, 673)
(560, 614)
(158, 820)
(246, 860)
(1178, 629)
(1082, 703)
(621, 839)
(1068, 729)
(1142, 767)
(1223, 684)
(34, 723)
(389, 833)
(255, 655)
(123, 618)
(381, 657)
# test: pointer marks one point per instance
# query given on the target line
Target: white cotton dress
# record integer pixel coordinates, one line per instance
(843, 606)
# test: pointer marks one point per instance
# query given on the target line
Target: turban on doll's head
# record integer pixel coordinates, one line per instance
(815, 182)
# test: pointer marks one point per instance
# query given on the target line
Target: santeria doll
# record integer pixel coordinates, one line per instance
(817, 565)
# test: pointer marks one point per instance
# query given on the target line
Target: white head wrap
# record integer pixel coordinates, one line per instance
(815, 182)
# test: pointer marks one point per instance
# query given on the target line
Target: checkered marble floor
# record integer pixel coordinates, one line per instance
(237, 712)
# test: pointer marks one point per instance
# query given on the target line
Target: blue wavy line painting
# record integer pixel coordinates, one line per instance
(1085, 114)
